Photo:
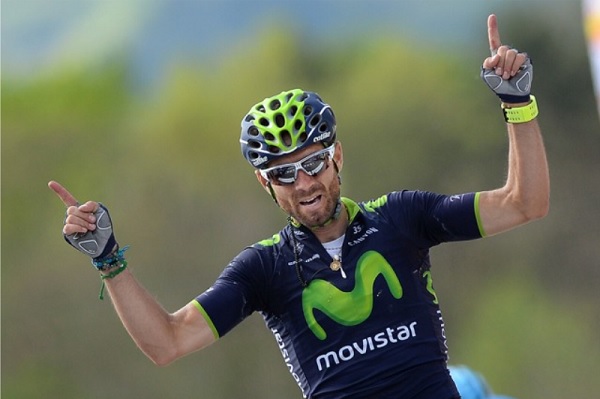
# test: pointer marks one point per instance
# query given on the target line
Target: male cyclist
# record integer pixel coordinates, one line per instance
(345, 287)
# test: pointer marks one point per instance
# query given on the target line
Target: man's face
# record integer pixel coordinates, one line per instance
(311, 200)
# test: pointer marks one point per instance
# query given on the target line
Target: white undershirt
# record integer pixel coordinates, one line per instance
(334, 248)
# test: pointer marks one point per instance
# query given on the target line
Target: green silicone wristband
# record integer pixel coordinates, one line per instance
(522, 114)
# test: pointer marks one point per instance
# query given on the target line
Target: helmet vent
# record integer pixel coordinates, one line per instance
(249, 118)
(286, 137)
(323, 128)
(260, 108)
(273, 149)
(269, 136)
(298, 124)
(308, 110)
(263, 121)
(314, 121)
(302, 138)
(254, 144)
(275, 104)
(279, 120)
(253, 131)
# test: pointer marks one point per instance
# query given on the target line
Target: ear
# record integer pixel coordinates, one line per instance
(263, 182)
(266, 185)
(339, 156)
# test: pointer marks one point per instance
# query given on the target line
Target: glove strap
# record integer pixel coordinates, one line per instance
(111, 260)
(522, 114)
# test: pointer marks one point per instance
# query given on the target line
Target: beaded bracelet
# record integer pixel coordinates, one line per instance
(122, 266)
(117, 259)
(111, 260)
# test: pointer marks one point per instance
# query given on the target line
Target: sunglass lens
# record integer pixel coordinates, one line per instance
(314, 164)
(287, 174)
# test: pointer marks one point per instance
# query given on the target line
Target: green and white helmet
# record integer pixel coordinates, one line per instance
(285, 123)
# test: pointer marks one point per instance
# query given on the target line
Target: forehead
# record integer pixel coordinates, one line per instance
(297, 155)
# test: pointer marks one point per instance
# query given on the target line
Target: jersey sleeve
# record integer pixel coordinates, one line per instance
(435, 218)
(235, 294)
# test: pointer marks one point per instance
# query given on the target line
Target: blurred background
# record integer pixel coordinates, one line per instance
(138, 104)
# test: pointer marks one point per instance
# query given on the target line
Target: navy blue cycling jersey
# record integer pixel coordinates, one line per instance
(374, 331)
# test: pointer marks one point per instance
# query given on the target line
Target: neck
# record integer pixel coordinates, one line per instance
(335, 227)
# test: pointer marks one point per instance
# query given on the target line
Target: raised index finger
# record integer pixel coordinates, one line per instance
(65, 196)
(493, 34)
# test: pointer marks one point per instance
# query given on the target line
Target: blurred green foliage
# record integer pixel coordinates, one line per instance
(522, 308)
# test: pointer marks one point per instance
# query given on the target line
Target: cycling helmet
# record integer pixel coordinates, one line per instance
(284, 123)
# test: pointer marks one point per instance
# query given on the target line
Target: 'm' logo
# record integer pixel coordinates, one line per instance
(349, 308)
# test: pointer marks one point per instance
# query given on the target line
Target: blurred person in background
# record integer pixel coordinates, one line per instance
(345, 287)
(471, 384)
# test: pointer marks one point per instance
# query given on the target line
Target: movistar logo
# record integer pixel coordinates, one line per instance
(349, 308)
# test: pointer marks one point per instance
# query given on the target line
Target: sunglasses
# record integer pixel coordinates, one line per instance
(288, 173)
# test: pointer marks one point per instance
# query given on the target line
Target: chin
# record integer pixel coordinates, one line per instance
(314, 221)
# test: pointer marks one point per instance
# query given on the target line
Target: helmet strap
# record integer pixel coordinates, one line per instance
(337, 171)
(336, 212)
(272, 193)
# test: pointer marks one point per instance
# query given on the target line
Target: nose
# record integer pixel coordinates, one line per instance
(303, 179)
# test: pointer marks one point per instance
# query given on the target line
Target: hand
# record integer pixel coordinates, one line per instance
(507, 71)
(505, 61)
(79, 218)
(87, 227)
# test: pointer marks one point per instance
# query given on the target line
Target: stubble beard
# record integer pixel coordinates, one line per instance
(312, 220)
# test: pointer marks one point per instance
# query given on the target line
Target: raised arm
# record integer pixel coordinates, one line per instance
(162, 336)
(525, 196)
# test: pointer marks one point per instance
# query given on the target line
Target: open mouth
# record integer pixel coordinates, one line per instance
(311, 201)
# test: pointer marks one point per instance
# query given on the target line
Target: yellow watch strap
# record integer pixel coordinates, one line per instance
(522, 114)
